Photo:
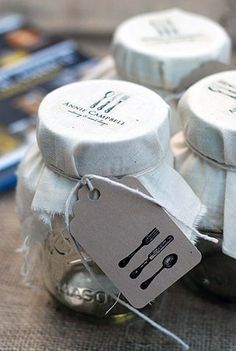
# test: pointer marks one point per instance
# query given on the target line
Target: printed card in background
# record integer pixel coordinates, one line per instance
(132, 240)
(32, 64)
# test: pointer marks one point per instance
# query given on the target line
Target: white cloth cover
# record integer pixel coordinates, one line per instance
(135, 141)
(159, 49)
(110, 128)
(205, 153)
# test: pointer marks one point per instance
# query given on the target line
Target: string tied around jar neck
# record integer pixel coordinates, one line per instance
(206, 158)
(87, 180)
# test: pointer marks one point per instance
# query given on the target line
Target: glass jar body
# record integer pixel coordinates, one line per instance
(68, 280)
(216, 274)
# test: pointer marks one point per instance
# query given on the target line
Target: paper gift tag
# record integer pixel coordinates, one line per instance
(133, 241)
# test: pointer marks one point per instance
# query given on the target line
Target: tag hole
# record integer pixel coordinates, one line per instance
(94, 194)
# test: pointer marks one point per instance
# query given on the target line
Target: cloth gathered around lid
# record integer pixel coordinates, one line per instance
(128, 136)
(110, 128)
(160, 49)
(205, 152)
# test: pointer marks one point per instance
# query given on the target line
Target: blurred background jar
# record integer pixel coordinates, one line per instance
(161, 49)
(205, 156)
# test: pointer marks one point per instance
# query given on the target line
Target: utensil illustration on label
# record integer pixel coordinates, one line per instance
(146, 240)
(134, 274)
(107, 99)
(168, 262)
(124, 98)
(165, 28)
(107, 94)
(224, 88)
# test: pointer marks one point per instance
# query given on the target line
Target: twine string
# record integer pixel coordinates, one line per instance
(214, 162)
(86, 180)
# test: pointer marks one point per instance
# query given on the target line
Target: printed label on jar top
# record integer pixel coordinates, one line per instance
(172, 29)
(169, 31)
(133, 240)
(115, 105)
(99, 110)
(217, 94)
(102, 127)
(227, 89)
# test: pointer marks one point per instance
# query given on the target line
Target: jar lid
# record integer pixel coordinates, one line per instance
(160, 49)
(208, 112)
(103, 127)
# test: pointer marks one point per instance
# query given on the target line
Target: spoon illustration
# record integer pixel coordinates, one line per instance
(146, 240)
(168, 262)
(152, 255)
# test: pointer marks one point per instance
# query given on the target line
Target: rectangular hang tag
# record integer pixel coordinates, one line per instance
(133, 240)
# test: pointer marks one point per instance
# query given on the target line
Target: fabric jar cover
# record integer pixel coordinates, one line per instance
(102, 127)
(159, 49)
(205, 152)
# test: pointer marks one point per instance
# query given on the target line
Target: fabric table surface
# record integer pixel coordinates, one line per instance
(30, 320)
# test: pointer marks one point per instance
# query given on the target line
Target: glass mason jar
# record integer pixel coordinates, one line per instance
(161, 49)
(204, 156)
(108, 128)
(68, 280)
(216, 274)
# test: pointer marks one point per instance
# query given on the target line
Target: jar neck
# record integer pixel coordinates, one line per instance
(208, 159)
(166, 157)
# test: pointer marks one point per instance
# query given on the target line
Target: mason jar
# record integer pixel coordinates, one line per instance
(161, 50)
(102, 127)
(205, 156)
(68, 280)
(215, 276)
